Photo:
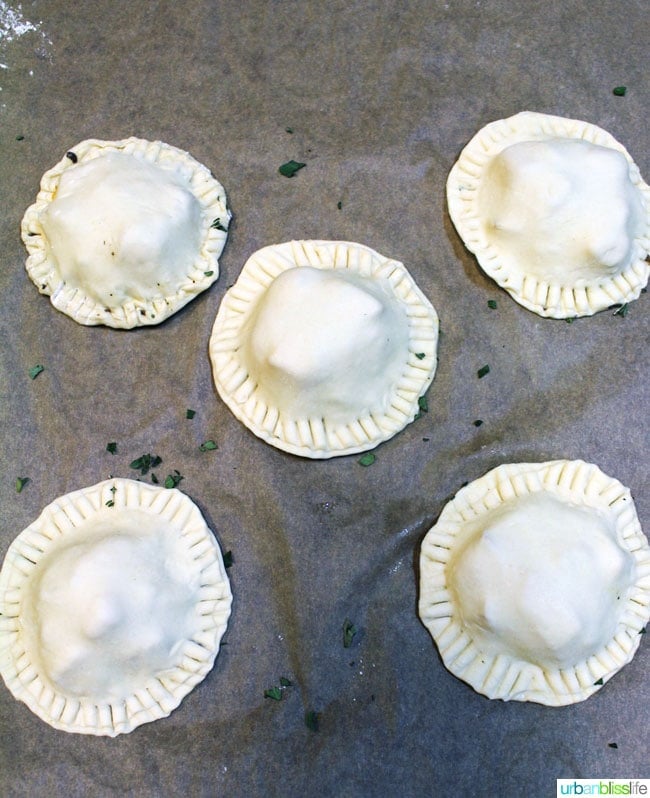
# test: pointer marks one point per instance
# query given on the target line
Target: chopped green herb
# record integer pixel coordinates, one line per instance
(190, 413)
(145, 462)
(154, 478)
(367, 459)
(598, 682)
(20, 483)
(208, 446)
(619, 91)
(274, 693)
(570, 320)
(492, 304)
(423, 404)
(349, 631)
(339, 204)
(289, 129)
(642, 631)
(622, 311)
(483, 371)
(35, 371)
(290, 168)
(311, 720)
(284, 682)
(227, 559)
(478, 422)
(218, 226)
(173, 479)
(111, 447)
(420, 355)
(612, 745)
(426, 440)
(209, 274)
(19, 138)
(71, 155)
(110, 503)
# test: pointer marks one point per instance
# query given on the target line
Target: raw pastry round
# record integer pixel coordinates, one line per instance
(535, 581)
(323, 348)
(112, 607)
(125, 233)
(555, 211)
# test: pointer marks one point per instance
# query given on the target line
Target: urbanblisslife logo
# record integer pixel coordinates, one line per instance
(603, 787)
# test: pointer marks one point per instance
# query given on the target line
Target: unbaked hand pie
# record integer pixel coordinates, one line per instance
(535, 582)
(125, 233)
(555, 211)
(324, 348)
(112, 607)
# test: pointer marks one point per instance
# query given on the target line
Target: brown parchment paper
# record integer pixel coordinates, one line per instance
(377, 99)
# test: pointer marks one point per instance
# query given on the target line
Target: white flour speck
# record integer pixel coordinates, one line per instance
(13, 24)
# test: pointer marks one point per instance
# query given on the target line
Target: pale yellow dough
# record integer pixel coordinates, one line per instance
(124, 233)
(535, 582)
(555, 211)
(112, 607)
(323, 348)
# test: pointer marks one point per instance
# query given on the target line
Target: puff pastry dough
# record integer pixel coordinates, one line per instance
(112, 607)
(323, 348)
(125, 233)
(535, 581)
(555, 211)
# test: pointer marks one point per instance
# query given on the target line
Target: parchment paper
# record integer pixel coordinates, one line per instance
(379, 98)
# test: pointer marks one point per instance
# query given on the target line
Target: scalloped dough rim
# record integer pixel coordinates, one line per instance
(503, 676)
(311, 437)
(162, 693)
(202, 273)
(546, 298)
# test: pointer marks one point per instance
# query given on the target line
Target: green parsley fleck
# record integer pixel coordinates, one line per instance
(290, 168)
(111, 447)
(612, 745)
(483, 371)
(339, 204)
(622, 311)
(311, 720)
(349, 631)
(642, 631)
(218, 226)
(284, 682)
(420, 355)
(110, 503)
(209, 274)
(35, 371)
(145, 462)
(20, 138)
(227, 559)
(598, 682)
(20, 483)
(174, 479)
(367, 459)
(619, 91)
(154, 478)
(274, 693)
(570, 319)
(190, 413)
(289, 129)
(478, 422)
(208, 446)
(492, 304)
(423, 404)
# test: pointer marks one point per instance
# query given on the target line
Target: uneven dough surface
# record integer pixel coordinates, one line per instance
(323, 348)
(535, 582)
(125, 233)
(555, 211)
(114, 601)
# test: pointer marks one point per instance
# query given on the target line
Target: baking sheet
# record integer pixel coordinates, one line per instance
(377, 99)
